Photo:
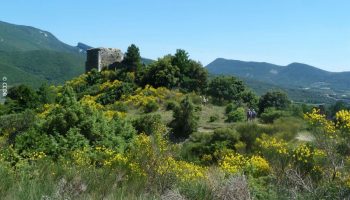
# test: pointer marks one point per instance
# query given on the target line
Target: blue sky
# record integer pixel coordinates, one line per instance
(316, 32)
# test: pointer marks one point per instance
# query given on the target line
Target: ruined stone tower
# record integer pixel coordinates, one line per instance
(102, 58)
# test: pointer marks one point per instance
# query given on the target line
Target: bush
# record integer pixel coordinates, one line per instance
(225, 88)
(249, 132)
(271, 114)
(207, 146)
(213, 118)
(120, 106)
(147, 123)
(230, 107)
(171, 105)
(276, 99)
(185, 119)
(196, 99)
(151, 106)
(287, 127)
(236, 116)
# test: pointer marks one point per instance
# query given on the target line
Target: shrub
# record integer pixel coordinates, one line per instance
(249, 133)
(115, 91)
(120, 106)
(213, 118)
(207, 146)
(151, 106)
(196, 99)
(271, 114)
(170, 105)
(230, 107)
(287, 127)
(185, 119)
(276, 99)
(225, 88)
(236, 116)
(147, 123)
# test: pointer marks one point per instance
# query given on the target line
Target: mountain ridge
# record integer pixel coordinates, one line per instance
(292, 76)
(33, 56)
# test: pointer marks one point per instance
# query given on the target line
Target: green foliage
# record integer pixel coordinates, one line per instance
(230, 107)
(237, 115)
(185, 119)
(147, 123)
(287, 127)
(72, 126)
(250, 99)
(132, 58)
(226, 89)
(20, 98)
(176, 71)
(162, 73)
(276, 99)
(170, 105)
(15, 124)
(151, 106)
(271, 114)
(206, 147)
(249, 132)
(46, 94)
(116, 92)
(213, 118)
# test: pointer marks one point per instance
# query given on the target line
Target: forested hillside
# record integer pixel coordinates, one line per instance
(32, 56)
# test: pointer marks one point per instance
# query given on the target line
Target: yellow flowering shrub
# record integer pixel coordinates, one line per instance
(183, 171)
(90, 101)
(81, 157)
(343, 120)
(316, 119)
(108, 85)
(142, 96)
(78, 83)
(258, 166)
(275, 150)
(109, 114)
(233, 163)
(36, 155)
(303, 157)
(47, 108)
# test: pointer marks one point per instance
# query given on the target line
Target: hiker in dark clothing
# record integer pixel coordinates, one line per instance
(249, 115)
(253, 114)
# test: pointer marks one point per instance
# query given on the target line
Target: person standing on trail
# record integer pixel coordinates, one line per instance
(249, 114)
(253, 114)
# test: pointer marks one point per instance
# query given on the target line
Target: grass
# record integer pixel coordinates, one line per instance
(204, 116)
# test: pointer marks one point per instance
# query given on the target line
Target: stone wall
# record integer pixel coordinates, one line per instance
(102, 58)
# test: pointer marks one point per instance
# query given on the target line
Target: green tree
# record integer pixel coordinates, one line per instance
(226, 88)
(46, 94)
(162, 73)
(193, 76)
(250, 99)
(20, 98)
(132, 58)
(276, 99)
(185, 119)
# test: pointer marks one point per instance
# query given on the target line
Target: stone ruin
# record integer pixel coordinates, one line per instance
(102, 58)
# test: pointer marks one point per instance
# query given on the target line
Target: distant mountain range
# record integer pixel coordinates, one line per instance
(33, 56)
(296, 76)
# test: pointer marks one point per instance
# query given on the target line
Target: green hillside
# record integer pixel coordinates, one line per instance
(33, 56)
(301, 81)
(27, 38)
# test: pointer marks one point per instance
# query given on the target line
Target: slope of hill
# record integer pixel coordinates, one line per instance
(300, 78)
(33, 56)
